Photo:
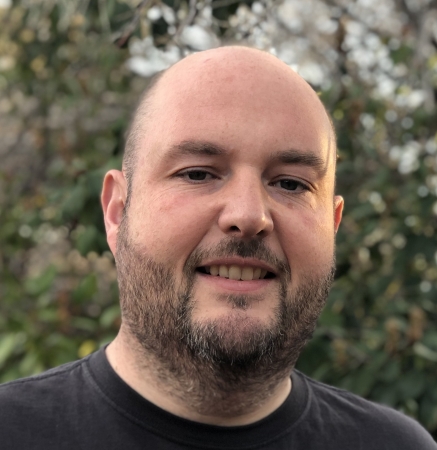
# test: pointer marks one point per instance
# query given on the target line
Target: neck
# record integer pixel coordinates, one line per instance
(204, 398)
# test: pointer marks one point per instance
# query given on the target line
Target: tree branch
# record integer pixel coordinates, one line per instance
(131, 27)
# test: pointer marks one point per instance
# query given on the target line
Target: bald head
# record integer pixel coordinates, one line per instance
(242, 77)
(234, 165)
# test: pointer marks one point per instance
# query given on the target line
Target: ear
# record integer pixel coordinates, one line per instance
(113, 199)
(338, 211)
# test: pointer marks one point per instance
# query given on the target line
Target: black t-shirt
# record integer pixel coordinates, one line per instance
(85, 405)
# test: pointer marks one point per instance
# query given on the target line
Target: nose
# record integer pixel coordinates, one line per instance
(245, 211)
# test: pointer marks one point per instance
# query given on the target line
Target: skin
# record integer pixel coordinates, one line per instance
(268, 173)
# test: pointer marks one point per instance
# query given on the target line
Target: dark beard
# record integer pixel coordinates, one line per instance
(222, 356)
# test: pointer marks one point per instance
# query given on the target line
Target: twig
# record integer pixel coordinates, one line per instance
(187, 21)
(130, 28)
(103, 16)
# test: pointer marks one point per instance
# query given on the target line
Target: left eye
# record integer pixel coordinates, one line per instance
(195, 175)
(290, 185)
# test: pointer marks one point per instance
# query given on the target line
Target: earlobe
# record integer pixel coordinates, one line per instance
(113, 199)
(338, 211)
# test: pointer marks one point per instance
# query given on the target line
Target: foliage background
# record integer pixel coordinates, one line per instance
(70, 73)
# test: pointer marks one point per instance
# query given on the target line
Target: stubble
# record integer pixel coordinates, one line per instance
(211, 363)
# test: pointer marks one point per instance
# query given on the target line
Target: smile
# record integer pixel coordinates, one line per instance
(235, 272)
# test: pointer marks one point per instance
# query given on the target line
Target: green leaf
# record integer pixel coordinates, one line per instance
(29, 364)
(390, 372)
(87, 240)
(411, 385)
(74, 203)
(109, 316)
(7, 346)
(83, 323)
(428, 412)
(86, 289)
(330, 319)
(49, 315)
(41, 284)
(425, 352)
(367, 376)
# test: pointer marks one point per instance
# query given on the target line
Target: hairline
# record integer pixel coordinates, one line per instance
(136, 125)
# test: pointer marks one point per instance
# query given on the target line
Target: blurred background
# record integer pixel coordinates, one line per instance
(70, 73)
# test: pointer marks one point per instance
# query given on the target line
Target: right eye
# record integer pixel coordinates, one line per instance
(195, 175)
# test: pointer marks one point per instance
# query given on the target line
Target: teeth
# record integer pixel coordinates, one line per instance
(237, 272)
(224, 271)
(247, 273)
(234, 273)
(214, 270)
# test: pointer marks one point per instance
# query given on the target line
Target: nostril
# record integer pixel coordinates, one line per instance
(234, 228)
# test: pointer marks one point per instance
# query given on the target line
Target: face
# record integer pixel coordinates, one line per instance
(229, 234)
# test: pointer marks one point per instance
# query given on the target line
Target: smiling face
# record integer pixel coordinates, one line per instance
(232, 203)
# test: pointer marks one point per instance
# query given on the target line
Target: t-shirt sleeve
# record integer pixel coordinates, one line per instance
(402, 432)
(347, 421)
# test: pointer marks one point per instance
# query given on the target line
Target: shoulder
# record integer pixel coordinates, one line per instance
(25, 394)
(379, 426)
(42, 405)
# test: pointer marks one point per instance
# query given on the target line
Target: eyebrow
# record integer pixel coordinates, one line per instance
(288, 157)
(197, 148)
(301, 158)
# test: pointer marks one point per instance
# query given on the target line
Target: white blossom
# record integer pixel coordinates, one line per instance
(198, 38)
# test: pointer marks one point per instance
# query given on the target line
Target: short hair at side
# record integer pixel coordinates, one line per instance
(134, 130)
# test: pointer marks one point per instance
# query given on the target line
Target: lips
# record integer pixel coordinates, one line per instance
(236, 272)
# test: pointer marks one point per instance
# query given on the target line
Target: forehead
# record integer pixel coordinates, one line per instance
(239, 103)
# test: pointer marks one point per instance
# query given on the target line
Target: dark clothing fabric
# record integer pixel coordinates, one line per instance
(85, 405)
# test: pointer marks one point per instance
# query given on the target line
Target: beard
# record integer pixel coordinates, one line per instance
(214, 358)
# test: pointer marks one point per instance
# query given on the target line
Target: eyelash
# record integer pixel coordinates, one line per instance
(299, 184)
(186, 173)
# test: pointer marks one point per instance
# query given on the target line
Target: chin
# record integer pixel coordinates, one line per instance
(234, 336)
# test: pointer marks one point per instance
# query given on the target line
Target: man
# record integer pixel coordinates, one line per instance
(222, 225)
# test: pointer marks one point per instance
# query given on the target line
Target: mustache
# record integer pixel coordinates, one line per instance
(229, 247)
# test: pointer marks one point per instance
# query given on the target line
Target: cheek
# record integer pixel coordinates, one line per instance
(170, 227)
(309, 239)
